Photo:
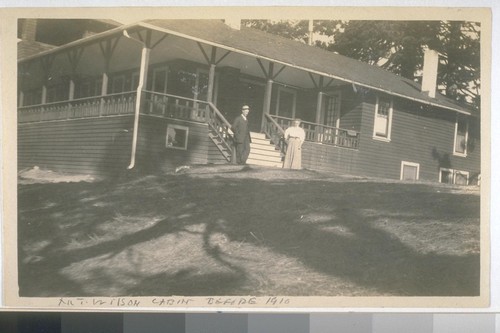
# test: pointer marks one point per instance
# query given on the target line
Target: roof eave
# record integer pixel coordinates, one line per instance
(120, 29)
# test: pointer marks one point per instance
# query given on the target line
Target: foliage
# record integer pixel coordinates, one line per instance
(398, 46)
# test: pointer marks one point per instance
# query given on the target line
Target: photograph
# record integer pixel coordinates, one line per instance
(248, 161)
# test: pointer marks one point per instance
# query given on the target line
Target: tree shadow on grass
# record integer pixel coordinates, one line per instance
(368, 256)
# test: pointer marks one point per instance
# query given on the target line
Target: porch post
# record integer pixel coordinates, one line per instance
(71, 89)
(143, 74)
(319, 103)
(104, 90)
(211, 81)
(21, 98)
(267, 101)
(44, 93)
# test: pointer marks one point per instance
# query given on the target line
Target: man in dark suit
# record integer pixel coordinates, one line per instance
(242, 136)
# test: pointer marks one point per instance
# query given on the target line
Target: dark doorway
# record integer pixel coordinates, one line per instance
(233, 96)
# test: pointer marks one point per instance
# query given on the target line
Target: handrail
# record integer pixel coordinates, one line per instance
(324, 134)
(75, 100)
(169, 105)
(275, 132)
(222, 128)
(94, 106)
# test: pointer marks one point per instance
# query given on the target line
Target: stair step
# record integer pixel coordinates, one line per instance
(257, 135)
(262, 152)
(268, 147)
(264, 163)
(265, 159)
(261, 141)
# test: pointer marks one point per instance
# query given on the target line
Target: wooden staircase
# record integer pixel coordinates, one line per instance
(263, 152)
(221, 144)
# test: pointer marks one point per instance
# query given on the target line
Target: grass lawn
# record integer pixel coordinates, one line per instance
(228, 230)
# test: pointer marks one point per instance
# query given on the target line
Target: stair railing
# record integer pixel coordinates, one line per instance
(221, 128)
(328, 135)
(275, 133)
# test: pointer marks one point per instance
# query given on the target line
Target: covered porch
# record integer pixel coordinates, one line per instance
(153, 69)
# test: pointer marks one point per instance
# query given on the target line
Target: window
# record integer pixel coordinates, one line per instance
(285, 104)
(56, 93)
(177, 137)
(409, 171)
(160, 76)
(450, 176)
(461, 136)
(332, 110)
(383, 119)
(134, 81)
(32, 97)
(118, 84)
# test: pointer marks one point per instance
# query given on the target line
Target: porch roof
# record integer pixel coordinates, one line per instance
(294, 54)
(301, 56)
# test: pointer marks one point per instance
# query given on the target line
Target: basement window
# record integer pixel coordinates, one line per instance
(451, 176)
(383, 119)
(177, 137)
(409, 171)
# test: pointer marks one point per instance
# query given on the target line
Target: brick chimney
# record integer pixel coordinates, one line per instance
(429, 76)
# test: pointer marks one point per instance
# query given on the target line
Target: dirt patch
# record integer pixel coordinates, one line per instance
(37, 175)
(233, 230)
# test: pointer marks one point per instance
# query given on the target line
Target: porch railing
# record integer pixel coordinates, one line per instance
(323, 134)
(178, 107)
(153, 103)
(275, 133)
(97, 106)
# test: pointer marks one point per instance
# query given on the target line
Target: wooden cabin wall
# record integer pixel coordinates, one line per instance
(153, 155)
(421, 135)
(102, 146)
(96, 146)
(351, 110)
(329, 158)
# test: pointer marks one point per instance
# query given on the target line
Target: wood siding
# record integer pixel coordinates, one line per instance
(351, 110)
(419, 134)
(102, 146)
(90, 146)
(154, 156)
(329, 158)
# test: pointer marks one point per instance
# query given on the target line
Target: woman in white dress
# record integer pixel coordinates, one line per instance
(294, 136)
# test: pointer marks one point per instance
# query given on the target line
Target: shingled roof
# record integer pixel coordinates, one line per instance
(302, 56)
(288, 52)
(27, 48)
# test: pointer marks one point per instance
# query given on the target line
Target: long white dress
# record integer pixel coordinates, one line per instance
(294, 136)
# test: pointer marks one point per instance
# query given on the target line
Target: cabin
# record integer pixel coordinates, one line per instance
(159, 94)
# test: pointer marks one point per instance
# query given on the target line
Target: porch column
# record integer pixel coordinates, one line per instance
(211, 82)
(44, 94)
(71, 89)
(104, 91)
(143, 76)
(21, 99)
(267, 101)
(319, 104)
(104, 85)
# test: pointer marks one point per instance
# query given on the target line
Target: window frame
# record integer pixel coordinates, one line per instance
(411, 164)
(455, 152)
(454, 173)
(291, 91)
(174, 127)
(386, 138)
